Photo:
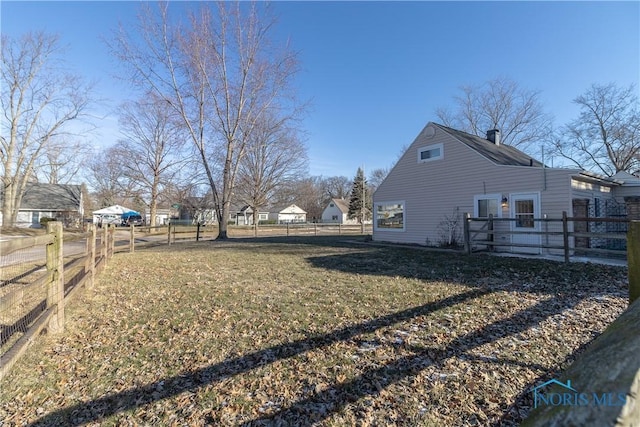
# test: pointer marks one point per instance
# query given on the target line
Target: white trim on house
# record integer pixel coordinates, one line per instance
(403, 219)
(431, 157)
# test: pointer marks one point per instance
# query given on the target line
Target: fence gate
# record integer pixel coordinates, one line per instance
(600, 208)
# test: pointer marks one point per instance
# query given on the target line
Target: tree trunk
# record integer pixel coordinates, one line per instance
(255, 221)
(222, 221)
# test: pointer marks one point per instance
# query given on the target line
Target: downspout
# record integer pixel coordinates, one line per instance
(544, 172)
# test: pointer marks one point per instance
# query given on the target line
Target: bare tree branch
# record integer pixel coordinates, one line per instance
(220, 73)
(605, 138)
(500, 104)
(39, 102)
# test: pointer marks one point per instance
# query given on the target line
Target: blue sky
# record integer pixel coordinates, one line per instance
(375, 72)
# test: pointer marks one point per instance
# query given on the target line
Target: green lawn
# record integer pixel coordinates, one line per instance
(300, 331)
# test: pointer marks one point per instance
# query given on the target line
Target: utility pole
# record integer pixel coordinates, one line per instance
(364, 200)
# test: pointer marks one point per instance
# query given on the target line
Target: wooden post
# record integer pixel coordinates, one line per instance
(55, 269)
(467, 233)
(633, 259)
(169, 234)
(132, 239)
(103, 243)
(315, 228)
(565, 236)
(287, 229)
(339, 229)
(90, 264)
(490, 234)
(111, 241)
(198, 231)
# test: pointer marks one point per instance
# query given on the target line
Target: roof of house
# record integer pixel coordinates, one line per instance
(292, 206)
(51, 197)
(500, 154)
(246, 209)
(114, 209)
(627, 179)
(341, 204)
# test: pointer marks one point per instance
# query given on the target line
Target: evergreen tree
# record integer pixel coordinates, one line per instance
(359, 205)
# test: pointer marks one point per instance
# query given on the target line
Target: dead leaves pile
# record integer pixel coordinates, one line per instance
(300, 334)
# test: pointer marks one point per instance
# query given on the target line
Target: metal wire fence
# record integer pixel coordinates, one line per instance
(38, 275)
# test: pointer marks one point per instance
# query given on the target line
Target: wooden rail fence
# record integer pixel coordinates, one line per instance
(23, 315)
(34, 301)
(558, 238)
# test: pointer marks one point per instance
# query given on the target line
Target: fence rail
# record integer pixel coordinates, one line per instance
(557, 235)
(37, 280)
(34, 299)
(179, 232)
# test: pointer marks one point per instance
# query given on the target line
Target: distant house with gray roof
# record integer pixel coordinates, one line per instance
(61, 202)
(446, 173)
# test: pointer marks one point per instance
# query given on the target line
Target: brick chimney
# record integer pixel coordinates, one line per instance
(493, 135)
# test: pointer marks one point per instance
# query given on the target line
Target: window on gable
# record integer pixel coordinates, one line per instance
(430, 153)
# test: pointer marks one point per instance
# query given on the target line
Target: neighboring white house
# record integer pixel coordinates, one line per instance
(337, 211)
(445, 173)
(109, 215)
(290, 214)
(61, 202)
(162, 217)
(244, 216)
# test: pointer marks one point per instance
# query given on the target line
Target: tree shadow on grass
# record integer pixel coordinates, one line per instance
(98, 409)
(321, 405)
(483, 274)
(497, 273)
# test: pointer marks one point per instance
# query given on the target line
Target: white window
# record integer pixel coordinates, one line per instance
(389, 216)
(430, 153)
(487, 204)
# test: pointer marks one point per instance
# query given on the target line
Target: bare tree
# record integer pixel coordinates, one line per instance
(306, 192)
(221, 73)
(63, 161)
(336, 187)
(376, 177)
(605, 138)
(500, 104)
(39, 101)
(151, 153)
(275, 156)
(105, 177)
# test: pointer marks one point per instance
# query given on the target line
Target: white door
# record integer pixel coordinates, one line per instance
(524, 207)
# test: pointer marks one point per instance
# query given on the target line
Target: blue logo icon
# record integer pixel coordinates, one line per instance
(569, 396)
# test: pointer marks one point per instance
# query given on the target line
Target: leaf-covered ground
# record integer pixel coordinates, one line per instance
(311, 332)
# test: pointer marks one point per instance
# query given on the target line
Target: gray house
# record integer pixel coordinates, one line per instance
(61, 202)
(446, 173)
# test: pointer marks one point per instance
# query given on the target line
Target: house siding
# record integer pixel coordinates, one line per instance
(329, 212)
(435, 190)
(290, 214)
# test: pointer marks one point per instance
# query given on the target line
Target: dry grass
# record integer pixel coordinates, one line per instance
(306, 331)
